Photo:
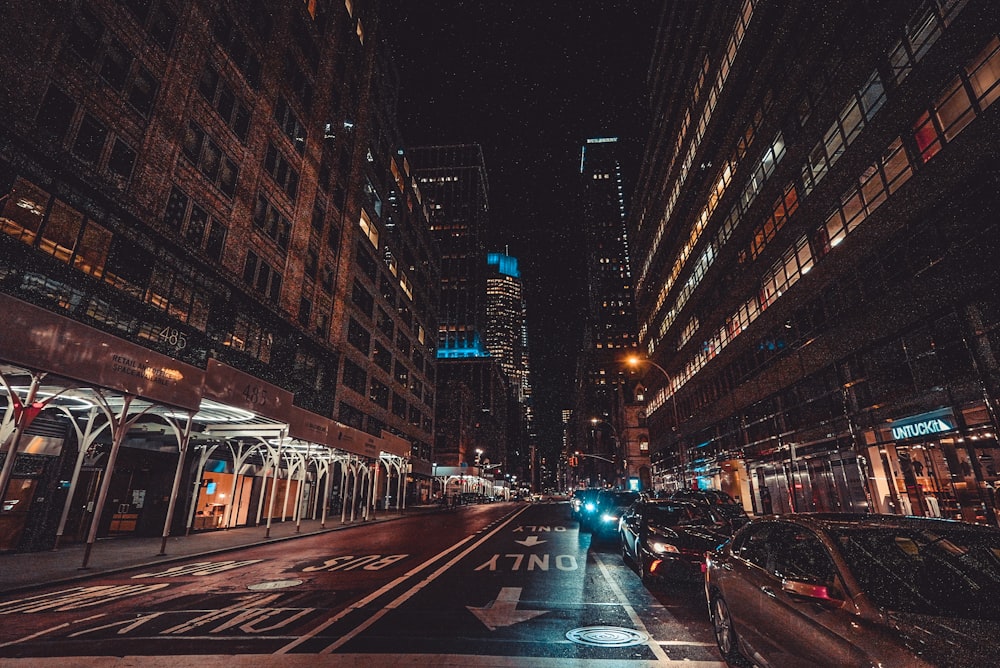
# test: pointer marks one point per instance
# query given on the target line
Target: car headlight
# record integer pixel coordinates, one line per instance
(590, 507)
(659, 547)
(608, 517)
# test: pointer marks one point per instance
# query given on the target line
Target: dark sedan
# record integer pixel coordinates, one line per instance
(857, 590)
(603, 522)
(668, 539)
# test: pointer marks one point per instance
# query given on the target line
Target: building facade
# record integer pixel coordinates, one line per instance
(610, 320)
(214, 188)
(816, 244)
(453, 178)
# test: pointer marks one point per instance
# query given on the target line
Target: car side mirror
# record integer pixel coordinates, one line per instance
(810, 590)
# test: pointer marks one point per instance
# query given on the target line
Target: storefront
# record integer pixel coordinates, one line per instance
(937, 464)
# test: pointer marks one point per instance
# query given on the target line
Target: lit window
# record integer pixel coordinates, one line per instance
(371, 232)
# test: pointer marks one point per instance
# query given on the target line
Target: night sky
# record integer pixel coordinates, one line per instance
(529, 81)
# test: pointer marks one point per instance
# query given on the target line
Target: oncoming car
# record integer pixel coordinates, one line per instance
(856, 590)
(582, 504)
(611, 504)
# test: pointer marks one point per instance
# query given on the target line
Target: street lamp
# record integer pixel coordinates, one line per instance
(634, 361)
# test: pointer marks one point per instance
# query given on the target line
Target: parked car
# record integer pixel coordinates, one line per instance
(710, 496)
(582, 503)
(667, 539)
(720, 502)
(856, 590)
(611, 504)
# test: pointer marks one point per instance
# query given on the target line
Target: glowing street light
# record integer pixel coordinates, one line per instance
(634, 361)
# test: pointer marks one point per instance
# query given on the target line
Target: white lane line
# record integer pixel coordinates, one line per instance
(51, 630)
(374, 595)
(405, 596)
(371, 597)
(653, 645)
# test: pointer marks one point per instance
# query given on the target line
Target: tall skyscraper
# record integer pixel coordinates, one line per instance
(453, 179)
(610, 310)
(816, 225)
(506, 324)
(610, 333)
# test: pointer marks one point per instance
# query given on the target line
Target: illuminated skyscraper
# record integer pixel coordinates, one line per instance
(506, 327)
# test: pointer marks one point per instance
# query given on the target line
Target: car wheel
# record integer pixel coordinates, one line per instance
(725, 635)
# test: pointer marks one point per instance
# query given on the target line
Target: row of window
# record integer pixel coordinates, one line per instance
(49, 224)
(858, 111)
(980, 81)
(728, 57)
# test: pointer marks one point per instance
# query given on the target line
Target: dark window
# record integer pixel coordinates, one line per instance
(289, 124)
(197, 222)
(163, 26)
(90, 139)
(351, 416)
(194, 136)
(358, 336)
(312, 262)
(354, 376)
(402, 374)
(115, 65)
(382, 357)
(85, 33)
(216, 240)
(122, 159)
(398, 406)
(281, 171)
(143, 91)
(327, 278)
(56, 112)
(305, 311)
(176, 209)
(379, 393)
(365, 261)
(268, 220)
(130, 262)
(362, 298)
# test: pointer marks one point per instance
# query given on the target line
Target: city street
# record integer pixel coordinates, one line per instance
(495, 584)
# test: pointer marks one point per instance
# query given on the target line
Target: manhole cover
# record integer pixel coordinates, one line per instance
(607, 636)
(273, 584)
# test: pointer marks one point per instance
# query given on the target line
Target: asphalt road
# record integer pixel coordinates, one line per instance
(490, 585)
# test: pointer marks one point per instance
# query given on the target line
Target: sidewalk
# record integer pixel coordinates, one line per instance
(28, 570)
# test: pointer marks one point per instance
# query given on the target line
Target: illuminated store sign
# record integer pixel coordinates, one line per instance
(926, 424)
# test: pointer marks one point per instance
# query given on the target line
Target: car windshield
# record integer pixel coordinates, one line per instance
(617, 499)
(667, 516)
(953, 572)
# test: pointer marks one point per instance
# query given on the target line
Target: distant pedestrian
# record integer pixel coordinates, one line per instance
(765, 501)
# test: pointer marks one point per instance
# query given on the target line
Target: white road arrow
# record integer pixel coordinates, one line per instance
(503, 611)
(529, 541)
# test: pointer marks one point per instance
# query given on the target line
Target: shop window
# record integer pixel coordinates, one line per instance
(62, 228)
(24, 210)
(92, 249)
